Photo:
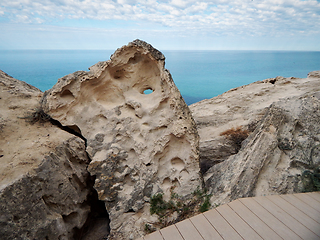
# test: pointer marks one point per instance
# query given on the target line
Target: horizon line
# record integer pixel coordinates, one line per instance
(266, 50)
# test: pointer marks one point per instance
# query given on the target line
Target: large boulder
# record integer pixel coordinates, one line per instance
(281, 119)
(243, 108)
(43, 176)
(140, 134)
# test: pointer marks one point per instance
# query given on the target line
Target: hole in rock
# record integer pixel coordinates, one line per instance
(177, 163)
(137, 58)
(16, 218)
(176, 182)
(97, 225)
(166, 182)
(130, 210)
(119, 73)
(148, 91)
(148, 164)
(273, 81)
(66, 94)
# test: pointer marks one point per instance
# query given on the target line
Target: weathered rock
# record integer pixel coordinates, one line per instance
(314, 74)
(241, 107)
(140, 144)
(43, 176)
(284, 144)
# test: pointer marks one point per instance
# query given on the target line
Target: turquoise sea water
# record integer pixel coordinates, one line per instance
(198, 74)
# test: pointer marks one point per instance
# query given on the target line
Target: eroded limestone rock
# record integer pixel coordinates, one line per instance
(283, 146)
(275, 156)
(140, 143)
(241, 107)
(43, 176)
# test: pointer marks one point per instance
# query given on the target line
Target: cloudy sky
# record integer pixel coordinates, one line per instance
(166, 24)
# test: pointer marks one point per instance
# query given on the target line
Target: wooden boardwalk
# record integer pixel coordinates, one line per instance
(293, 216)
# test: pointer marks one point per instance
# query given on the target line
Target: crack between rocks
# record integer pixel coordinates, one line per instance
(69, 130)
(97, 225)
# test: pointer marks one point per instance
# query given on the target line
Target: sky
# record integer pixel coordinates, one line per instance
(167, 24)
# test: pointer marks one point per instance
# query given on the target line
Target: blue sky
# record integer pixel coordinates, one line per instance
(167, 25)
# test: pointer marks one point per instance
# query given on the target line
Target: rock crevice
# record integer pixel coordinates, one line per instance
(104, 143)
(46, 191)
(140, 144)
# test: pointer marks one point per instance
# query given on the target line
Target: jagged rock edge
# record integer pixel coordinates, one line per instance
(95, 72)
(96, 208)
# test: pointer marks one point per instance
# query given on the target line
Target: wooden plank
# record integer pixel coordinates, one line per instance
(253, 221)
(284, 217)
(207, 231)
(310, 211)
(308, 200)
(274, 223)
(188, 231)
(221, 225)
(237, 223)
(296, 213)
(154, 236)
(314, 195)
(273, 217)
(171, 233)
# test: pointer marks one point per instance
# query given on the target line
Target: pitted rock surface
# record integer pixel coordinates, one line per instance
(242, 107)
(140, 143)
(282, 117)
(277, 157)
(43, 176)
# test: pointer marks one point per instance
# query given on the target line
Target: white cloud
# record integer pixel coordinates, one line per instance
(179, 3)
(265, 17)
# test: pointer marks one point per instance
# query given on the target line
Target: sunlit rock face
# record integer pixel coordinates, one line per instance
(43, 177)
(140, 134)
(279, 157)
(281, 152)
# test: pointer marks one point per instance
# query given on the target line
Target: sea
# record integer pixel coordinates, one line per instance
(198, 74)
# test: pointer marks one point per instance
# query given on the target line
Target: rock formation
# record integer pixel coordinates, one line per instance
(141, 143)
(122, 133)
(282, 116)
(43, 176)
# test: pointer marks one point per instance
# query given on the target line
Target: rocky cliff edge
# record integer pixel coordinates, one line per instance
(100, 144)
(261, 139)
